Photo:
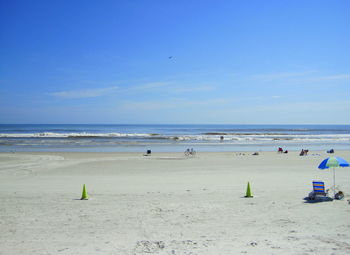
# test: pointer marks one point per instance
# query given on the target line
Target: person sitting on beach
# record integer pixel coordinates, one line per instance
(280, 150)
(148, 153)
(286, 151)
(302, 153)
(190, 152)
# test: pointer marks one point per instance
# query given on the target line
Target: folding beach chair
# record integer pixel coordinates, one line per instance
(319, 192)
(318, 187)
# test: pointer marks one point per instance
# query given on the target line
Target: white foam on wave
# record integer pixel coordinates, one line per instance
(70, 135)
(247, 138)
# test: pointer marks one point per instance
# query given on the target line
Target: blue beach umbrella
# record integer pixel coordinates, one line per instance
(333, 162)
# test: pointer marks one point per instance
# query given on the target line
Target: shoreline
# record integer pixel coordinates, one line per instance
(179, 149)
(143, 153)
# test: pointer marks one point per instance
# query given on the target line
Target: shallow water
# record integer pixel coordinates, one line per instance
(138, 138)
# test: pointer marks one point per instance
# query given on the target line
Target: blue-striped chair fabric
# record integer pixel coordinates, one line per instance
(318, 187)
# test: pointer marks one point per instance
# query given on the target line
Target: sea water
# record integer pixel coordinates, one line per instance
(171, 138)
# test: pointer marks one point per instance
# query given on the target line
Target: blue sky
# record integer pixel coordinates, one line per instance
(239, 62)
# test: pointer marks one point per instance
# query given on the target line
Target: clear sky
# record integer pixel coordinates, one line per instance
(175, 61)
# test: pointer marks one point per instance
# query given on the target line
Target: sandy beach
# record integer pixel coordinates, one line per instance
(167, 203)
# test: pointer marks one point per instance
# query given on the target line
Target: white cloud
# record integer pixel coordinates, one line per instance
(278, 76)
(308, 76)
(307, 108)
(169, 87)
(152, 85)
(85, 93)
(193, 89)
(331, 77)
(175, 103)
(172, 87)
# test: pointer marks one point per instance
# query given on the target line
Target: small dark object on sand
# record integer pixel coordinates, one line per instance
(339, 195)
(148, 153)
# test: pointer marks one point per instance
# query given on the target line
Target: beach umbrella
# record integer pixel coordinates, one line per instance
(333, 162)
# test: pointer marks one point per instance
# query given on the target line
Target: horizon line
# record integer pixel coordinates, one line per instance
(276, 124)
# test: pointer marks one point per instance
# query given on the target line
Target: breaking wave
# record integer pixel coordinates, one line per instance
(71, 135)
(215, 136)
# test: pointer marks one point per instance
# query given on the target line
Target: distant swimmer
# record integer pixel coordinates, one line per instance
(170, 57)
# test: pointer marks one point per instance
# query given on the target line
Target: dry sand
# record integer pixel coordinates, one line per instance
(169, 204)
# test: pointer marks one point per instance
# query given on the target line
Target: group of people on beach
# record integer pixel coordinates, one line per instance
(303, 152)
(280, 150)
(192, 152)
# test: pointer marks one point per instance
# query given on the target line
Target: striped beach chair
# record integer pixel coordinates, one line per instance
(319, 189)
(318, 194)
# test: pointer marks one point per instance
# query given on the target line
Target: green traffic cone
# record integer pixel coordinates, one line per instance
(248, 193)
(84, 196)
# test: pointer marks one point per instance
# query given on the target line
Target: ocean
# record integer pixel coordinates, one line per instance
(171, 138)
